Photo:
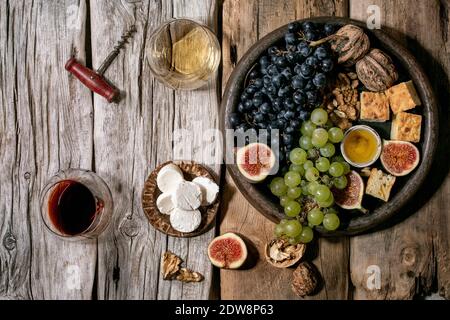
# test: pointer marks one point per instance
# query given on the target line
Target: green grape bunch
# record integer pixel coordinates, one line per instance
(316, 168)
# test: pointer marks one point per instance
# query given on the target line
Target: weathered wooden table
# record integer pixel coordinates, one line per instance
(49, 121)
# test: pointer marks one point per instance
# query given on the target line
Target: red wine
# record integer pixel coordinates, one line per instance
(72, 207)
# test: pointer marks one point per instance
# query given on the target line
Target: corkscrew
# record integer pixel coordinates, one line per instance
(95, 80)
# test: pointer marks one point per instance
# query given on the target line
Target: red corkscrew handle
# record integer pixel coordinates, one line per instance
(92, 80)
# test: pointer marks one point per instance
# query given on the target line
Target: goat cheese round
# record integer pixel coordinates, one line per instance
(187, 196)
(185, 220)
(164, 203)
(209, 189)
(169, 177)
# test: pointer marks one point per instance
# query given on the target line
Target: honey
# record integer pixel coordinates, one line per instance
(361, 146)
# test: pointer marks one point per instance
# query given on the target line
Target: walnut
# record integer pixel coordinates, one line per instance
(352, 75)
(343, 105)
(186, 275)
(170, 265)
(172, 271)
(377, 71)
(350, 44)
(365, 172)
(305, 279)
(308, 203)
(281, 254)
(340, 121)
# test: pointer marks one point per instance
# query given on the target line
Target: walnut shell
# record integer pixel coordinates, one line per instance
(376, 71)
(350, 43)
(305, 279)
(172, 271)
(280, 254)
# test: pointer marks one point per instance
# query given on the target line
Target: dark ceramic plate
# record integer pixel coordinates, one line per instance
(351, 222)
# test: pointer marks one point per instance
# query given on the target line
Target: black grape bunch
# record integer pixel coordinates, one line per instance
(286, 85)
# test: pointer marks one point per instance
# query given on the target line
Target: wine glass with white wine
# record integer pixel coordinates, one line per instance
(183, 54)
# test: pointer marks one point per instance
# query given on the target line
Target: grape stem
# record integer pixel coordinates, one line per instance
(323, 40)
(301, 35)
(363, 210)
(281, 52)
(246, 82)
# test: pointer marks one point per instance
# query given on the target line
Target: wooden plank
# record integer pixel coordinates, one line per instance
(197, 112)
(131, 138)
(45, 126)
(413, 255)
(244, 22)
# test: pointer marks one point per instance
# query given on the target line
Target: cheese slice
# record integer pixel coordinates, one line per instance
(403, 97)
(169, 177)
(406, 127)
(209, 189)
(164, 203)
(185, 220)
(380, 184)
(374, 106)
(187, 196)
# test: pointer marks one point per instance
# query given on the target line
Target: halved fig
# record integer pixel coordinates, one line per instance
(399, 157)
(281, 254)
(351, 197)
(227, 251)
(255, 161)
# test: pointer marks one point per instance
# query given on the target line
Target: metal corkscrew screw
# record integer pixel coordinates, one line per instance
(94, 80)
(113, 54)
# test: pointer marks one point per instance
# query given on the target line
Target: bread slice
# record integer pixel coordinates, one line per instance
(406, 127)
(374, 106)
(403, 97)
(380, 184)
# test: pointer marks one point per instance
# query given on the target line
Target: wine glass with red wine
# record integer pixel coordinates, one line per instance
(76, 204)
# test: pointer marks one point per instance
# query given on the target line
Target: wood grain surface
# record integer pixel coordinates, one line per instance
(136, 135)
(50, 121)
(413, 254)
(46, 125)
(244, 22)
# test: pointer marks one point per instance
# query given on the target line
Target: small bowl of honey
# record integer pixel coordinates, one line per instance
(361, 146)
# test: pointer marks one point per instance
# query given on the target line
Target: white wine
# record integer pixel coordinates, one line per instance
(184, 54)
